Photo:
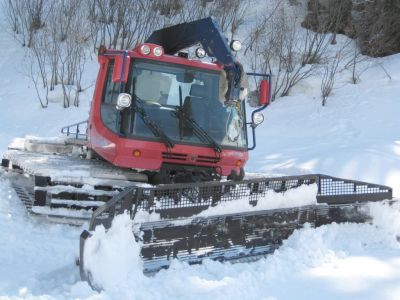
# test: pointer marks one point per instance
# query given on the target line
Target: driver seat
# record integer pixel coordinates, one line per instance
(196, 105)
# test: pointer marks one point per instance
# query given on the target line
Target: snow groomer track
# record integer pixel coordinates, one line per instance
(63, 187)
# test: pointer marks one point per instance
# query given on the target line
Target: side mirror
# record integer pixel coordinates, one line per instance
(264, 92)
(121, 69)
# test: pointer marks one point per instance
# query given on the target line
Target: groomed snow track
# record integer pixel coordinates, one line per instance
(171, 221)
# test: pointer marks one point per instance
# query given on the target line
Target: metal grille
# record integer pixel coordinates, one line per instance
(330, 186)
(174, 156)
(188, 199)
(184, 200)
(190, 158)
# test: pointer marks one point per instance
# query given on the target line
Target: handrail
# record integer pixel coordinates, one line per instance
(77, 132)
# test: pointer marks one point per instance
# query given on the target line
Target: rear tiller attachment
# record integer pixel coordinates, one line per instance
(232, 220)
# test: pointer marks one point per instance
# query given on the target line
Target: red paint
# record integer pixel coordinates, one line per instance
(119, 151)
(264, 92)
(118, 66)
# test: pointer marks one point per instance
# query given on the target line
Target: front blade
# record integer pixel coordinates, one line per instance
(229, 221)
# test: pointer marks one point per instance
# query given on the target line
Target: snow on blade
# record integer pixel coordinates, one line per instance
(303, 195)
(388, 217)
(295, 197)
(113, 256)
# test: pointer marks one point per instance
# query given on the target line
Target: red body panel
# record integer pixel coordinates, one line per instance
(119, 151)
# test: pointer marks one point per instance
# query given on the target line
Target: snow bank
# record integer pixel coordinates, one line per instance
(36, 258)
(387, 217)
(113, 256)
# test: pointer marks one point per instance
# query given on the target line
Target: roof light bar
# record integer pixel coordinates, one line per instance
(200, 52)
(145, 49)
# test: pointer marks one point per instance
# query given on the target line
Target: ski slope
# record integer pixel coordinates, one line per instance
(357, 135)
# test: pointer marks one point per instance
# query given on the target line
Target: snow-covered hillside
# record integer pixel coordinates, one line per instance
(357, 135)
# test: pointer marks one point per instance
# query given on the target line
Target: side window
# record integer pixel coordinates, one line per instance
(111, 89)
(110, 95)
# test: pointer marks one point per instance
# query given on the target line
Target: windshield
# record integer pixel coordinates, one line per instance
(162, 90)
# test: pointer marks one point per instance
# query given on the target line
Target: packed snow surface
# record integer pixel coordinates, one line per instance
(355, 136)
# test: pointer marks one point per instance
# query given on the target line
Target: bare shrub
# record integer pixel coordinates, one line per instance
(121, 24)
(331, 68)
(229, 13)
(25, 18)
(282, 49)
(12, 13)
(36, 70)
(357, 63)
(58, 33)
(69, 38)
(58, 52)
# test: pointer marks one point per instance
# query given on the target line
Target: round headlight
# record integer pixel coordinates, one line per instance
(157, 51)
(200, 52)
(145, 49)
(123, 101)
(236, 45)
(258, 118)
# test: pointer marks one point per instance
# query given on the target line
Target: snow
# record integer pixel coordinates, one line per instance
(33, 256)
(304, 195)
(355, 136)
(332, 262)
(300, 196)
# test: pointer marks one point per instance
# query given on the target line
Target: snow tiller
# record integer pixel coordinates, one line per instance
(168, 139)
(230, 221)
(158, 116)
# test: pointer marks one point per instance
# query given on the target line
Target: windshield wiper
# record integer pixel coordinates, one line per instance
(155, 129)
(197, 129)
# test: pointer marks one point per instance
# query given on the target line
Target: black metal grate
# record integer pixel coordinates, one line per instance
(183, 200)
(180, 200)
(333, 186)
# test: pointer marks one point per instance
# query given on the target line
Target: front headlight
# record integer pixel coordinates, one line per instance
(258, 118)
(123, 101)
